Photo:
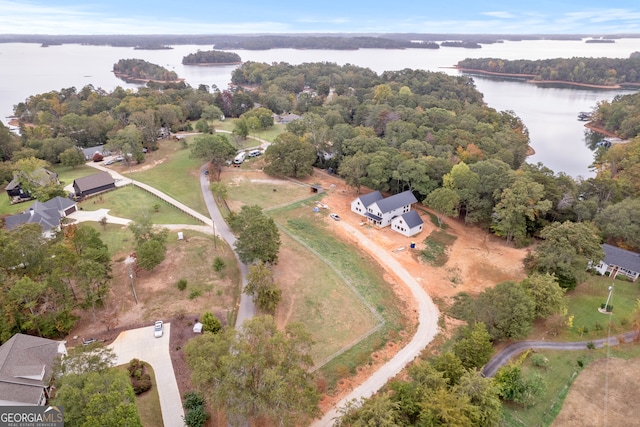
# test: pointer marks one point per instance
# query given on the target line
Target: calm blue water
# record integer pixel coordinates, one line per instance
(549, 113)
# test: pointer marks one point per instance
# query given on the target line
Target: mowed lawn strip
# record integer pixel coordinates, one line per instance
(359, 269)
(320, 299)
(135, 203)
(247, 189)
(177, 175)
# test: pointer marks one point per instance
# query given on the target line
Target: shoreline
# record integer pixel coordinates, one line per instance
(214, 63)
(529, 79)
(127, 78)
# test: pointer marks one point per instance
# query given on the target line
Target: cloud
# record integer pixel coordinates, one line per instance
(501, 15)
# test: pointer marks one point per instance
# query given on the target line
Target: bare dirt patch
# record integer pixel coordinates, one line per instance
(603, 394)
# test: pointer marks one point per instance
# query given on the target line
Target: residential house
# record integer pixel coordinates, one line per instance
(48, 214)
(360, 204)
(92, 184)
(408, 224)
(381, 212)
(25, 369)
(41, 177)
(89, 152)
(619, 261)
(286, 118)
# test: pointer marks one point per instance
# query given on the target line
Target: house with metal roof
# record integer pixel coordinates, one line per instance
(381, 212)
(359, 205)
(92, 184)
(619, 261)
(25, 369)
(408, 224)
(48, 214)
(91, 151)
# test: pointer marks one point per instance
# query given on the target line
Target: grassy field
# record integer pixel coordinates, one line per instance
(268, 134)
(134, 203)
(358, 270)
(246, 190)
(560, 373)
(176, 175)
(437, 244)
(584, 301)
(67, 175)
(118, 238)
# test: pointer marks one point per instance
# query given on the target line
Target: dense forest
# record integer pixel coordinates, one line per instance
(395, 131)
(211, 57)
(141, 70)
(264, 42)
(595, 71)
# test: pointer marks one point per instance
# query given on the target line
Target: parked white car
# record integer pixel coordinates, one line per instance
(335, 217)
(158, 329)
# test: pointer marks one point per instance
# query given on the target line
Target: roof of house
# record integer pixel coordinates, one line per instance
(621, 257)
(90, 182)
(44, 177)
(89, 152)
(412, 219)
(25, 367)
(46, 214)
(396, 201)
(367, 199)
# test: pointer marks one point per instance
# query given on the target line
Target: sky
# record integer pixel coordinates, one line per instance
(320, 16)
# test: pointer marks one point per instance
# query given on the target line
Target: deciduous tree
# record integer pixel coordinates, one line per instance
(257, 372)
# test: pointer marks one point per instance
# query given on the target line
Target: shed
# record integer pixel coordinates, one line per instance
(317, 188)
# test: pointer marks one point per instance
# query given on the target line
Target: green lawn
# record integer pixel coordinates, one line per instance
(6, 208)
(67, 175)
(118, 238)
(584, 301)
(177, 176)
(562, 370)
(268, 134)
(134, 203)
(254, 192)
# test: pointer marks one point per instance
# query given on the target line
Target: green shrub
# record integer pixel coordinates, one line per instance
(142, 384)
(591, 345)
(210, 323)
(539, 361)
(182, 284)
(597, 326)
(195, 294)
(192, 399)
(219, 264)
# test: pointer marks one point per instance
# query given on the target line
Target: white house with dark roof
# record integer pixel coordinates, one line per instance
(408, 224)
(619, 261)
(25, 369)
(360, 204)
(48, 214)
(381, 212)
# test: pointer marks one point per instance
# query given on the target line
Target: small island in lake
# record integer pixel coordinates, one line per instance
(141, 71)
(212, 57)
(152, 47)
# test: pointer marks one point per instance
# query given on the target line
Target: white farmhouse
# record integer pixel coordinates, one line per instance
(381, 212)
(408, 224)
(360, 204)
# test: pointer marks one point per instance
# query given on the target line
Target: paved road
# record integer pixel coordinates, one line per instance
(247, 308)
(513, 349)
(427, 329)
(141, 344)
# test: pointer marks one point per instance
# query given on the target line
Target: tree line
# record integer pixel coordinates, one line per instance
(595, 71)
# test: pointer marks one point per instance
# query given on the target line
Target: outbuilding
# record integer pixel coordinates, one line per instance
(92, 184)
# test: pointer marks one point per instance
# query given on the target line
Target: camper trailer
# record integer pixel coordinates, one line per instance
(239, 159)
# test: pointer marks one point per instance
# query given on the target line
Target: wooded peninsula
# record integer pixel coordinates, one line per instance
(594, 72)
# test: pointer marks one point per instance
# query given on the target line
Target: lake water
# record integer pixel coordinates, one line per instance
(549, 113)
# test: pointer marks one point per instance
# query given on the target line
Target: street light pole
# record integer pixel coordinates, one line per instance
(606, 306)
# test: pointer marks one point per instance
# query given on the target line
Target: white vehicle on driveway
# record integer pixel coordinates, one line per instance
(158, 329)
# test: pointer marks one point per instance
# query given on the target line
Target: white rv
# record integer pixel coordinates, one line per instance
(239, 158)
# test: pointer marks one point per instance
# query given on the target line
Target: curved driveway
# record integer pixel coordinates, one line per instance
(427, 329)
(518, 347)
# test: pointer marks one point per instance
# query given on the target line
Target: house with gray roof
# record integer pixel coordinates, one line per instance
(48, 214)
(91, 151)
(408, 224)
(25, 369)
(40, 177)
(359, 205)
(93, 184)
(381, 212)
(619, 261)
